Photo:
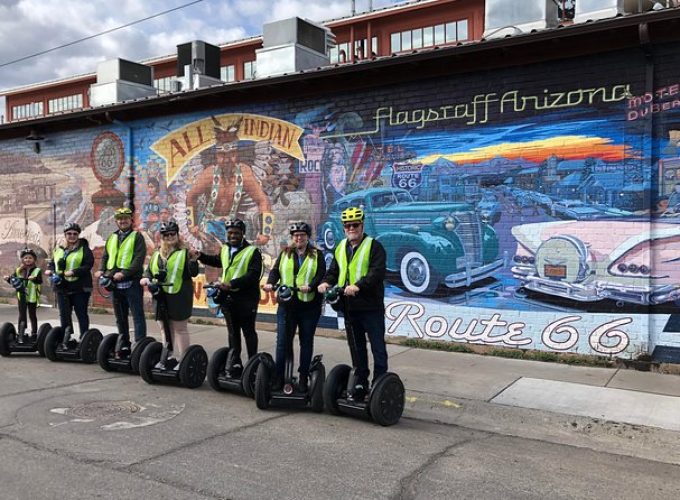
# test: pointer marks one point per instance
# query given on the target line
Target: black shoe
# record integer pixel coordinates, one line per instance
(235, 371)
(171, 363)
(303, 383)
(359, 392)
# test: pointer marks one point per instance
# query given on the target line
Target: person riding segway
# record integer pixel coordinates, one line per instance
(295, 276)
(26, 280)
(239, 285)
(69, 272)
(121, 269)
(169, 279)
(357, 272)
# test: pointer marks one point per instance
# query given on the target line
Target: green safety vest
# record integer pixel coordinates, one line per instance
(32, 290)
(175, 268)
(238, 267)
(358, 267)
(73, 261)
(120, 257)
(305, 274)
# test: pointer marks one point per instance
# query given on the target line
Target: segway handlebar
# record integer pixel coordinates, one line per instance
(333, 294)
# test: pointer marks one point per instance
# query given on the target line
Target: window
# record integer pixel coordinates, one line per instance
(164, 84)
(228, 73)
(27, 110)
(341, 53)
(65, 103)
(429, 36)
(249, 70)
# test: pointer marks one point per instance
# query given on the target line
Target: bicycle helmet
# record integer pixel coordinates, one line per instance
(235, 223)
(169, 227)
(300, 227)
(72, 226)
(28, 251)
(123, 212)
(352, 214)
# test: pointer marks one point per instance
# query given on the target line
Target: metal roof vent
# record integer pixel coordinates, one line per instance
(591, 10)
(198, 65)
(512, 17)
(119, 80)
(292, 45)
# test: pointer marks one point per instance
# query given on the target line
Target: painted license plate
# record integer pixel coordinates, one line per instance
(555, 271)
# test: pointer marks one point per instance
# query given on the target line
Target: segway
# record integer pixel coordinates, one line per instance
(128, 361)
(383, 404)
(290, 394)
(60, 344)
(155, 364)
(16, 340)
(233, 380)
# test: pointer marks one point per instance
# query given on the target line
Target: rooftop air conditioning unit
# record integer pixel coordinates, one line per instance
(591, 10)
(512, 17)
(292, 45)
(119, 80)
(198, 65)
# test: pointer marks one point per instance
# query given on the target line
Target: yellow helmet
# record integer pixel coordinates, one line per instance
(123, 212)
(352, 214)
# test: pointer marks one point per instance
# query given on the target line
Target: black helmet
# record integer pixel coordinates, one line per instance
(169, 227)
(28, 251)
(237, 223)
(300, 227)
(72, 226)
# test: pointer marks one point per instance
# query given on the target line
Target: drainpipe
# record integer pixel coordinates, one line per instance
(130, 203)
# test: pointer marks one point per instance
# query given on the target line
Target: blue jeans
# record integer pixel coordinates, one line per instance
(373, 324)
(68, 303)
(305, 320)
(126, 300)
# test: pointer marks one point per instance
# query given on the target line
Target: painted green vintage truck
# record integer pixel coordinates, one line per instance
(427, 243)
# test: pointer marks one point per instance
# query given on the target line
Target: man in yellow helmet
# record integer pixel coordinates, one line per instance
(123, 262)
(358, 266)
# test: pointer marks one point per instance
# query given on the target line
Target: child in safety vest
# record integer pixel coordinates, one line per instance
(27, 279)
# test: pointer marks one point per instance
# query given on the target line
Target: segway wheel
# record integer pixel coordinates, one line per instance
(106, 351)
(42, 335)
(263, 387)
(193, 367)
(335, 384)
(136, 353)
(317, 381)
(387, 400)
(249, 376)
(89, 345)
(52, 340)
(216, 367)
(7, 334)
(150, 358)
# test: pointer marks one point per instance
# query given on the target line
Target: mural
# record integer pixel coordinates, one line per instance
(540, 214)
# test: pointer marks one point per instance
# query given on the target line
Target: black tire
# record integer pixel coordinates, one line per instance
(7, 334)
(52, 340)
(387, 399)
(216, 367)
(106, 351)
(249, 377)
(417, 275)
(150, 357)
(316, 383)
(336, 383)
(263, 386)
(136, 354)
(42, 335)
(194, 364)
(89, 344)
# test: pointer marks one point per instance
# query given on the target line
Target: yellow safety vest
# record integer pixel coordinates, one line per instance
(358, 267)
(31, 290)
(120, 256)
(305, 274)
(239, 266)
(175, 268)
(73, 261)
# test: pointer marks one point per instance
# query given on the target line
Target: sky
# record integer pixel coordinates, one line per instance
(30, 26)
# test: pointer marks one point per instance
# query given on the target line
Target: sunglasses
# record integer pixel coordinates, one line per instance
(352, 225)
(71, 233)
(168, 235)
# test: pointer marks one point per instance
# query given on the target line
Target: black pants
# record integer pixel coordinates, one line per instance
(23, 306)
(243, 318)
(71, 302)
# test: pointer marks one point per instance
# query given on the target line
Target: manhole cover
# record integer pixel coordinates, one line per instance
(104, 409)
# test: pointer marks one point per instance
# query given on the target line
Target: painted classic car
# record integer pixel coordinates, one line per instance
(626, 261)
(427, 243)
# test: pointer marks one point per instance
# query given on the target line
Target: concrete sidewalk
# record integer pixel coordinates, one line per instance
(449, 381)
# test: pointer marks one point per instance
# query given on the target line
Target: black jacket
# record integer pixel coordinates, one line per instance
(371, 295)
(181, 304)
(275, 276)
(136, 266)
(83, 273)
(246, 289)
